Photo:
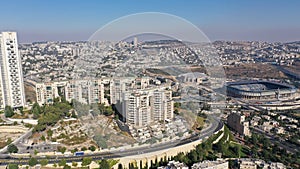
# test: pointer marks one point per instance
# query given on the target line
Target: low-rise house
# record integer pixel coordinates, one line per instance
(174, 165)
(219, 164)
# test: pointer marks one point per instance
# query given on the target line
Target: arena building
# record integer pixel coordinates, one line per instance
(261, 90)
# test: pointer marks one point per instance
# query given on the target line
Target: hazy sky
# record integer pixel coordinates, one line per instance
(43, 20)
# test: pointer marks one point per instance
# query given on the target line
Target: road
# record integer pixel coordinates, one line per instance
(215, 126)
(16, 141)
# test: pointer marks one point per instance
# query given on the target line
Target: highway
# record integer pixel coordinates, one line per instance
(215, 125)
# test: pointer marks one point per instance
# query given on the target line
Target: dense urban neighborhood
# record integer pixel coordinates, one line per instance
(149, 104)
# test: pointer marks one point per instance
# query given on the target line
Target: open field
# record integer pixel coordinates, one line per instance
(10, 133)
(257, 70)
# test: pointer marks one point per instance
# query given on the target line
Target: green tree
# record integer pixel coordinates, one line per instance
(62, 162)
(117, 117)
(12, 148)
(22, 111)
(101, 108)
(9, 140)
(62, 149)
(67, 167)
(32, 162)
(39, 127)
(104, 164)
(266, 142)
(8, 111)
(108, 111)
(237, 150)
(86, 161)
(36, 110)
(83, 148)
(49, 133)
(44, 162)
(221, 147)
(43, 138)
(177, 105)
(92, 148)
(56, 100)
(12, 166)
(51, 115)
(73, 115)
(112, 162)
(193, 156)
(74, 164)
(74, 150)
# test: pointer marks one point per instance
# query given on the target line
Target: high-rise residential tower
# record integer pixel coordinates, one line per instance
(11, 76)
(143, 107)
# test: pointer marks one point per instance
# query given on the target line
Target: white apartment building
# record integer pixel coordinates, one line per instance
(137, 109)
(162, 105)
(247, 164)
(118, 86)
(143, 107)
(83, 91)
(11, 76)
(47, 92)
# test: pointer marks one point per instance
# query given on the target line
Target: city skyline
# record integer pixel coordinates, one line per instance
(232, 20)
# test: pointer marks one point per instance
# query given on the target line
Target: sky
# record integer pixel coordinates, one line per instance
(73, 20)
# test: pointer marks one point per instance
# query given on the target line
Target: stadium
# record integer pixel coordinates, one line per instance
(261, 90)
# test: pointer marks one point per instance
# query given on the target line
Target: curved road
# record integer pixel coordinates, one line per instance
(214, 126)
